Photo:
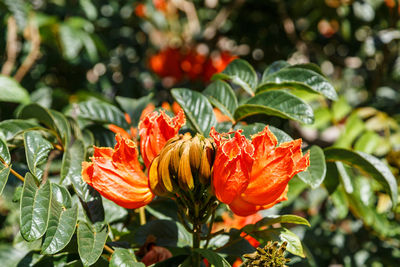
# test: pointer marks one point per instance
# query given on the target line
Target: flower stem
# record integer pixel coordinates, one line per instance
(196, 244)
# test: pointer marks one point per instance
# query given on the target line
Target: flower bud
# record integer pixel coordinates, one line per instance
(183, 163)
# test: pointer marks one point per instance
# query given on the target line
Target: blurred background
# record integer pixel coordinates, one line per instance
(66, 51)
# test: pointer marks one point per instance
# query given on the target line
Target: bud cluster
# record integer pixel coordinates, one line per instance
(183, 163)
(272, 255)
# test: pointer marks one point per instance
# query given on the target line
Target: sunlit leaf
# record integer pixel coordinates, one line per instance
(12, 91)
(124, 258)
(298, 78)
(198, 110)
(222, 96)
(276, 103)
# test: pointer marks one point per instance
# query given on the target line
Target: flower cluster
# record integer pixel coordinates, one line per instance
(246, 175)
(179, 64)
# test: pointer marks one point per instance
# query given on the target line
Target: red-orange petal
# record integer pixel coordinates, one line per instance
(155, 130)
(232, 165)
(273, 168)
(117, 176)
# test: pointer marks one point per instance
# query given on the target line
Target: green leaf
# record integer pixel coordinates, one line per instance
(282, 234)
(168, 233)
(124, 258)
(309, 66)
(54, 120)
(35, 205)
(274, 67)
(35, 111)
(222, 96)
(340, 108)
(241, 73)
(12, 91)
(10, 128)
(102, 112)
(4, 153)
(37, 150)
(62, 126)
(212, 257)
(71, 170)
(276, 103)
(91, 242)
(4, 173)
(199, 112)
(315, 173)
(62, 224)
(368, 142)
(369, 165)
(298, 78)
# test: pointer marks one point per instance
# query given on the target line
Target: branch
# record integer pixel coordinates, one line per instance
(11, 47)
(193, 21)
(32, 34)
(219, 20)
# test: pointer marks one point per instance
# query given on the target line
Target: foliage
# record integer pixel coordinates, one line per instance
(92, 66)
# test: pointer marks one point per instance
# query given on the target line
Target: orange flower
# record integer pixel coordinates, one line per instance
(117, 175)
(155, 130)
(217, 64)
(166, 63)
(254, 176)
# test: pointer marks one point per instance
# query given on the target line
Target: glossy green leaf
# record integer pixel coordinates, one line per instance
(297, 78)
(294, 245)
(124, 258)
(168, 233)
(12, 91)
(241, 73)
(54, 120)
(10, 128)
(369, 165)
(35, 111)
(4, 152)
(198, 110)
(315, 173)
(4, 173)
(331, 181)
(61, 227)
(222, 96)
(276, 103)
(102, 112)
(274, 67)
(62, 126)
(91, 242)
(71, 170)
(35, 206)
(213, 258)
(37, 150)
